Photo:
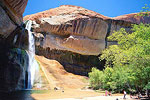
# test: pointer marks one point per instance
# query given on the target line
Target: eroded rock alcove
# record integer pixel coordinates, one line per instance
(72, 35)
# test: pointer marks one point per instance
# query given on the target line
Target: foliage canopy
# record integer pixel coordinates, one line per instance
(127, 64)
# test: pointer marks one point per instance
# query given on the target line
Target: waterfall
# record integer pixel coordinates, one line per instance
(33, 65)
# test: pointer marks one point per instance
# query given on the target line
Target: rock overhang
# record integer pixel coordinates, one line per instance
(77, 29)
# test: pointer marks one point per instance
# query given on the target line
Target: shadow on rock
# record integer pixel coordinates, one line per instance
(18, 95)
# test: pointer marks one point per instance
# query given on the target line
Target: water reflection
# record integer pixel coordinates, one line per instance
(19, 95)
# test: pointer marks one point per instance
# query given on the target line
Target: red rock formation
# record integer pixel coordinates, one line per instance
(79, 30)
(11, 15)
(17, 6)
(68, 9)
(133, 18)
(63, 10)
(75, 36)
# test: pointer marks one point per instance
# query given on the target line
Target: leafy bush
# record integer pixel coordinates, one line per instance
(96, 78)
(127, 64)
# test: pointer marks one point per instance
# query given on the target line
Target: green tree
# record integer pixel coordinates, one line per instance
(96, 78)
(132, 51)
(145, 11)
(127, 64)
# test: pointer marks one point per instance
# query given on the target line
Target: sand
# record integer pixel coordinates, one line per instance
(57, 76)
(77, 94)
(97, 98)
(72, 85)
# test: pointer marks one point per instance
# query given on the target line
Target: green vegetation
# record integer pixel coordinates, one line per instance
(40, 91)
(127, 64)
(145, 11)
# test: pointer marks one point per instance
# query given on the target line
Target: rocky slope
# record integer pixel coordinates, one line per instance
(58, 77)
(75, 36)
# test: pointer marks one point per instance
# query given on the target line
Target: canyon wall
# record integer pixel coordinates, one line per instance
(76, 36)
(13, 43)
(72, 35)
(78, 30)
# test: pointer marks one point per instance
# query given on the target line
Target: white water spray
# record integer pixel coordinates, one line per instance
(33, 65)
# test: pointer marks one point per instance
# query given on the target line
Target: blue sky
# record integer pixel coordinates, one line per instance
(109, 8)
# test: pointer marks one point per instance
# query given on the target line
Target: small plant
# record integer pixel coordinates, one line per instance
(96, 78)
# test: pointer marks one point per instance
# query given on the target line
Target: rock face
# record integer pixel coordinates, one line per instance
(11, 15)
(13, 37)
(133, 18)
(6, 25)
(77, 29)
(13, 69)
(17, 6)
(72, 28)
(75, 36)
(72, 62)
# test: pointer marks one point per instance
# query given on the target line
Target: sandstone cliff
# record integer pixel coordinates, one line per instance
(78, 30)
(75, 36)
(11, 15)
(72, 35)
(71, 28)
(133, 18)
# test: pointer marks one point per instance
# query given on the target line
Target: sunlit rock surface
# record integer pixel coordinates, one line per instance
(71, 28)
(79, 30)
(11, 15)
(133, 18)
(72, 35)
(75, 36)
(17, 6)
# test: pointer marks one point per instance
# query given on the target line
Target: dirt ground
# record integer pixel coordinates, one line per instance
(74, 93)
(57, 76)
(77, 94)
(70, 86)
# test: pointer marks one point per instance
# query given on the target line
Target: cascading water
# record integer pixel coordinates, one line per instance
(33, 65)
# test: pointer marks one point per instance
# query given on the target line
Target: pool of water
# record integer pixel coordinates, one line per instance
(20, 95)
